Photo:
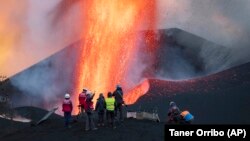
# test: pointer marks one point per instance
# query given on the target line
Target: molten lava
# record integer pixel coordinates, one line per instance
(133, 95)
(110, 36)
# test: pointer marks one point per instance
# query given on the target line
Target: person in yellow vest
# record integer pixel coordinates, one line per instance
(110, 108)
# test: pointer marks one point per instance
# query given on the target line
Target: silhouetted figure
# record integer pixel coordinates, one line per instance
(173, 113)
(118, 94)
(89, 108)
(100, 108)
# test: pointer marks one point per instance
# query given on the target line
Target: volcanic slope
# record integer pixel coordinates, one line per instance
(221, 98)
(179, 56)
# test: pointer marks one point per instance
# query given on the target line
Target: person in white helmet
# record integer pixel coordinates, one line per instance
(67, 108)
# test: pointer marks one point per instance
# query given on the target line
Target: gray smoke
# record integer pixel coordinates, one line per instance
(224, 22)
(47, 81)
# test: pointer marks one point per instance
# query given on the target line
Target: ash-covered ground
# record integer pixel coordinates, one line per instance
(53, 129)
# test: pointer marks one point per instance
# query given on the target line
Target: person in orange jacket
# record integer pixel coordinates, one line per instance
(67, 108)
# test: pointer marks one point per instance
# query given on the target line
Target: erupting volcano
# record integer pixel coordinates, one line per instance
(110, 36)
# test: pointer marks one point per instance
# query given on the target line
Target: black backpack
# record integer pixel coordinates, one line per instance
(101, 104)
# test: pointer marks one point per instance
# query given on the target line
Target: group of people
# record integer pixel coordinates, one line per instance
(112, 106)
(175, 116)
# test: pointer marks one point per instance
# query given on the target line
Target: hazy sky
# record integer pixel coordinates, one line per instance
(226, 22)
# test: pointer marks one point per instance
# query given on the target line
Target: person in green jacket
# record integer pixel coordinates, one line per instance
(110, 108)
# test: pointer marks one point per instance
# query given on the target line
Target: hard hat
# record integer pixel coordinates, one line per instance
(118, 86)
(84, 89)
(89, 93)
(67, 96)
(172, 103)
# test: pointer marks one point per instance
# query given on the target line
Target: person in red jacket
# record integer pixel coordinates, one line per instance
(89, 109)
(82, 99)
(67, 108)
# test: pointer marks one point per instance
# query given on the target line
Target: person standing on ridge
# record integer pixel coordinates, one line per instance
(82, 99)
(89, 109)
(67, 108)
(118, 94)
(110, 107)
(100, 108)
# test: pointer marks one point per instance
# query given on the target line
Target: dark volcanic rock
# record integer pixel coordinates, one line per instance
(181, 55)
(34, 113)
(132, 130)
(222, 98)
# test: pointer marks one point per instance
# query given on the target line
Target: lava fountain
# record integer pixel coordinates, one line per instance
(133, 95)
(110, 33)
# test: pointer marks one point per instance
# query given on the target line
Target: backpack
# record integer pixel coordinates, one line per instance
(187, 116)
(101, 105)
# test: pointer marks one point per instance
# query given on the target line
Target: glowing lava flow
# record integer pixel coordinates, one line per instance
(109, 34)
(133, 95)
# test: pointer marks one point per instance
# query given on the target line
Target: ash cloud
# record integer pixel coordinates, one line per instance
(224, 22)
(47, 82)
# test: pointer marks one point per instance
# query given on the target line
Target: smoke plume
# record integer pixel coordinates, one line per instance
(224, 22)
(41, 34)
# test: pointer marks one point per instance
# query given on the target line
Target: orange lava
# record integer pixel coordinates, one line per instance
(110, 34)
(133, 95)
